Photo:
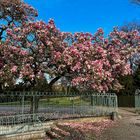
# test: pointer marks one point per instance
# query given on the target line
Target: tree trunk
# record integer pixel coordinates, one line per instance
(34, 104)
(52, 82)
(1, 88)
(68, 90)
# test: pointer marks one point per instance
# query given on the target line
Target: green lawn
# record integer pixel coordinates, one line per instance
(63, 101)
(58, 101)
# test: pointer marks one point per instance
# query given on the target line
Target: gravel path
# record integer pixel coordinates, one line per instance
(127, 128)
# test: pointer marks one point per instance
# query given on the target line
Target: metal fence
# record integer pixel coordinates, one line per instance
(27, 111)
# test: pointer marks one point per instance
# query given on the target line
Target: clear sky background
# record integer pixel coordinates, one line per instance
(86, 15)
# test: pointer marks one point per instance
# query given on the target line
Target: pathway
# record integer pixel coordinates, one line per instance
(127, 128)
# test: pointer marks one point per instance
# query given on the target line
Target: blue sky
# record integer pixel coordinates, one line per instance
(86, 15)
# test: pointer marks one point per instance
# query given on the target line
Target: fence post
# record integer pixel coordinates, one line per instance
(22, 104)
(116, 103)
(33, 107)
(137, 99)
(93, 104)
(92, 100)
(73, 105)
(80, 104)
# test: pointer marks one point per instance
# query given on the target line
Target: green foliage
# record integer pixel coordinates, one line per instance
(128, 85)
(137, 78)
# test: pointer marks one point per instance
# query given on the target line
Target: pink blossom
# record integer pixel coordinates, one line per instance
(14, 69)
(23, 52)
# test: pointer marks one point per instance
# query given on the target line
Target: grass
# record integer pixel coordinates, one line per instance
(58, 101)
(17, 103)
(63, 101)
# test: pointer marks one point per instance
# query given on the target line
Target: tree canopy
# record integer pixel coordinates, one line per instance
(31, 49)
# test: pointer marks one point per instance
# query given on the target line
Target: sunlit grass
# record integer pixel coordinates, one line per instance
(58, 101)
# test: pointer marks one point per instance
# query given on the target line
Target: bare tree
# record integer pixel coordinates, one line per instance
(131, 26)
(135, 2)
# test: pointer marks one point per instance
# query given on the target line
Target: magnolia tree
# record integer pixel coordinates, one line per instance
(90, 61)
(30, 50)
(33, 49)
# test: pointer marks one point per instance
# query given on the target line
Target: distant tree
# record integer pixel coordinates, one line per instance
(137, 78)
(127, 83)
